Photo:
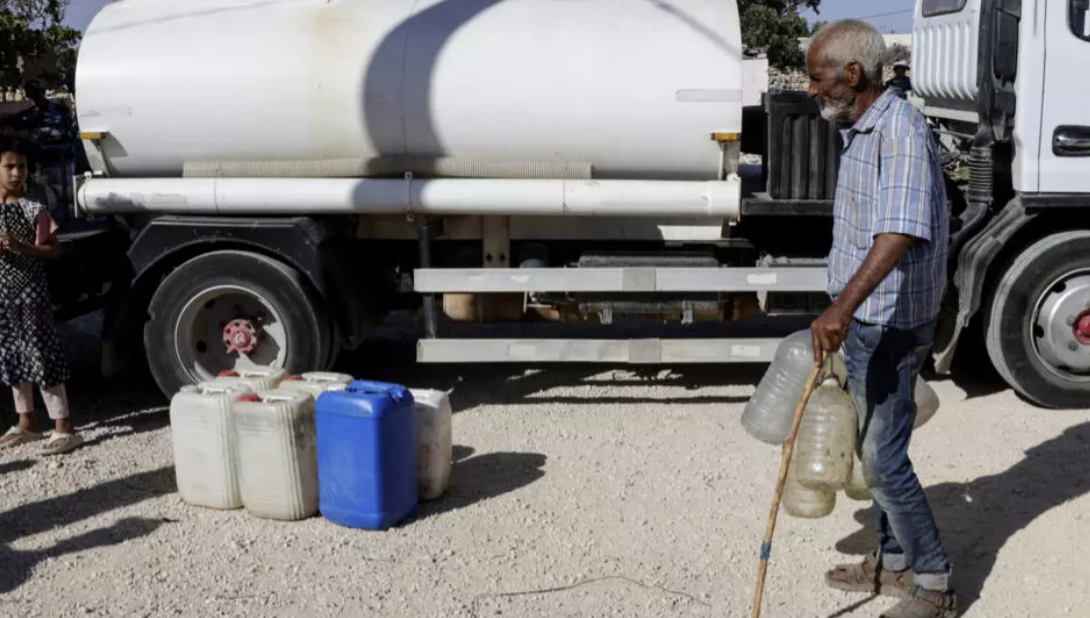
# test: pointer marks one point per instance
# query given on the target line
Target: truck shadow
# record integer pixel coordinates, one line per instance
(62, 511)
(977, 518)
(972, 370)
(471, 386)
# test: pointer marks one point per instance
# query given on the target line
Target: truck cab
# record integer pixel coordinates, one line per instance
(999, 81)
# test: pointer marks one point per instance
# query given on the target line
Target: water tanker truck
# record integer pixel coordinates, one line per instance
(283, 173)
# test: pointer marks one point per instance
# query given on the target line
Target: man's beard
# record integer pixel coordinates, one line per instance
(836, 111)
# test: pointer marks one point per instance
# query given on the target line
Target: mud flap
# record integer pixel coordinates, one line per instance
(973, 263)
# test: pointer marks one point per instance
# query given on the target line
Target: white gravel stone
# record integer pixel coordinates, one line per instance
(577, 492)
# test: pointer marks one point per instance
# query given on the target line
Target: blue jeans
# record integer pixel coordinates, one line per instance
(883, 365)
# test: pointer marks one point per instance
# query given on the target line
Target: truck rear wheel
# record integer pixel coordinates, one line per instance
(1038, 325)
(231, 309)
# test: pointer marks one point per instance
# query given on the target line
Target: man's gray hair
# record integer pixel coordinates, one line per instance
(852, 40)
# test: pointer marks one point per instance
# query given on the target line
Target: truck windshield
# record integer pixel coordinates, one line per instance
(1076, 15)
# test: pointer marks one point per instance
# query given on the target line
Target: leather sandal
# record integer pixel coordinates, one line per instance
(17, 435)
(869, 576)
(922, 603)
(60, 443)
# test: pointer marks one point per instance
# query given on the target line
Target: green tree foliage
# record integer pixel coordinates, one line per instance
(34, 42)
(775, 27)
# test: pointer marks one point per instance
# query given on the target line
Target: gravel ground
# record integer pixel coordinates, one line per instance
(577, 492)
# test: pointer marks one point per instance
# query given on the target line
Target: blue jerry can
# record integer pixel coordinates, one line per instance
(366, 455)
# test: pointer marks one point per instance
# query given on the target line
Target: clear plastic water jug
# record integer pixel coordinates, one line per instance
(205, 457)
(277, 454)
(316, 383)
(927, 403)
(768, 414)
(857, 489)
(434, 442)
(798, 501)
(258, 379)
(826, 438)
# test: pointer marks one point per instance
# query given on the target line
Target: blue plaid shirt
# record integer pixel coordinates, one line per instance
(891, 181)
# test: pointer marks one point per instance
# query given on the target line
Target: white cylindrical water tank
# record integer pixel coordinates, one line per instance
(634, 89)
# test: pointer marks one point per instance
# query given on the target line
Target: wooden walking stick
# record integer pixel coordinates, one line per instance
(789, 448)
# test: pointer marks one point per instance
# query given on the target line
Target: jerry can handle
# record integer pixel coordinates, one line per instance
(363, 387)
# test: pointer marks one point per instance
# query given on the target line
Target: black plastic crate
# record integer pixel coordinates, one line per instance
(802, 159)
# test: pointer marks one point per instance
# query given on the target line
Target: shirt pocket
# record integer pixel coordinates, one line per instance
(862, 224)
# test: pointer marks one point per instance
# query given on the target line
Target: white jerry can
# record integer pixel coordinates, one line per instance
(317, 382)
(205, 458)
(259, 379)
(277, 454)
(434, 442)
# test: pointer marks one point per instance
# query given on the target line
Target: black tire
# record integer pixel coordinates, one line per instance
(1010, 321)
(307, 329)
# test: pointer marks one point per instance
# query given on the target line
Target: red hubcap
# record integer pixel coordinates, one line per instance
(240, 336)
(1082, 328)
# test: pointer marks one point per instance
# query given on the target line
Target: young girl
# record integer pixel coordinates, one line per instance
(30, 352)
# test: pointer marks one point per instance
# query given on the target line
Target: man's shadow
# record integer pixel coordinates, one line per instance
(977, 518)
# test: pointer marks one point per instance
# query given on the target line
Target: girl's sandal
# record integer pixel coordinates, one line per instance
(59, 443)
(17, 435)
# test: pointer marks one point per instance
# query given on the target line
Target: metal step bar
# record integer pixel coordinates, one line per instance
(613, 351)
(429, 282)
(626, 280)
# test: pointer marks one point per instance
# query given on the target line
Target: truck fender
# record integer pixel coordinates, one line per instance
(974, 261)
(328, 259)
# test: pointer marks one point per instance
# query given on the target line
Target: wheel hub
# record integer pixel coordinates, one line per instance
(1082, 328)
(241, 337)
(1062, 325)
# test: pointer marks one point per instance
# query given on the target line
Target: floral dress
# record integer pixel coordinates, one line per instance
(30, 350)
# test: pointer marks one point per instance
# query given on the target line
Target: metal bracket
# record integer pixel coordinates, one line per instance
(410, 216)
(687, 312)
(496, 242)
(426, 233)
(606, 315)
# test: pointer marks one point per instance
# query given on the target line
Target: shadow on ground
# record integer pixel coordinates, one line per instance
(482, 477)
(518, 384)
(972, 370)
(977, 518)
(62, 511)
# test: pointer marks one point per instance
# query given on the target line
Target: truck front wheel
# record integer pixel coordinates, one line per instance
(1038, 325)
(231, 309)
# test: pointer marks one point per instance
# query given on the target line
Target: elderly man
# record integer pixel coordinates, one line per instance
(887, 273)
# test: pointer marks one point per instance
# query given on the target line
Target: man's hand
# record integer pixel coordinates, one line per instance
(829, 331)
